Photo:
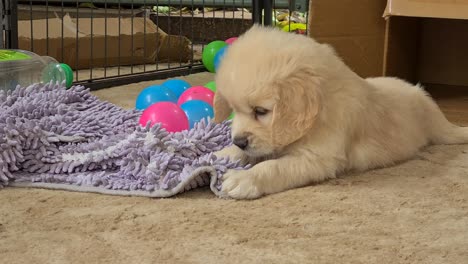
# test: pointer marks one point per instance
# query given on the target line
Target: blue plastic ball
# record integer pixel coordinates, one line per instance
(154, 94)
(219, 56)
(177, 86)
(196, 110)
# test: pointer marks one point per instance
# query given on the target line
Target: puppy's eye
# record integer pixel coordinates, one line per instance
(260, 111)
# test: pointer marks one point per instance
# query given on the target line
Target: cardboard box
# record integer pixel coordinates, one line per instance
(417, 40)
(426, 41)
(84, 43)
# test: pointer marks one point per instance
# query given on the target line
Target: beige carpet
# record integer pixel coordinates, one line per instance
(416, 212)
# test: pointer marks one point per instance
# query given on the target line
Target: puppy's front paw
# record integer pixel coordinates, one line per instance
(233, 153)
(240, 184)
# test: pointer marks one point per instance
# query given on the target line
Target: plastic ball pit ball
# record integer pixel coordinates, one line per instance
(196, 110)
(209, 52)
(197, 93)
(231, 116)
(229, 41)
(154, 94)
(177, 86)
(170, 115)
(211, 85)
(219, 56)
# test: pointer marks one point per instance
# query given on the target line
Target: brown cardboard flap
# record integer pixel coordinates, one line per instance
(174, 48)
(346, 17)
(100, 42)
(457, 9)
(47, 28)
(115, 26)
(355, 28)
(363, 54)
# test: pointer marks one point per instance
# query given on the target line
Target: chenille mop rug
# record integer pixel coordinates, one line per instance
(55, 138)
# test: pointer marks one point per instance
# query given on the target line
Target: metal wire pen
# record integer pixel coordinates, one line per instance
(130, 40)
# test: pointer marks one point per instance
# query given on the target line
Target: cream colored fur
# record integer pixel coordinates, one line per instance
(323, 119)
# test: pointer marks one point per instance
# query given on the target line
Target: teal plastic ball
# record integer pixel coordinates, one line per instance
(154, 94)
(177, 86)
(197, 110)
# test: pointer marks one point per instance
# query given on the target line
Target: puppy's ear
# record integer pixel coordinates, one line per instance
(221, 108)
(297, 108)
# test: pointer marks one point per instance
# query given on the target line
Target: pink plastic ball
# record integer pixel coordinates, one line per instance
(197, 93)
(170, 115)
(229, 41)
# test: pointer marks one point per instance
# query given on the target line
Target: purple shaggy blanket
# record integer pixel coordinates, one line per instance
(55, 138)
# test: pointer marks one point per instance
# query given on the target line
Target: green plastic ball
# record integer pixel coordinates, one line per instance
(211, 85)
(231, 116)
(209, 53)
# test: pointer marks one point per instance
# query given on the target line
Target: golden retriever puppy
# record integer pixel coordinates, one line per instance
(302, 116)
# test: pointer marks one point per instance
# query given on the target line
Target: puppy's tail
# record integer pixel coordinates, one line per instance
(452, 135)
(444, 132)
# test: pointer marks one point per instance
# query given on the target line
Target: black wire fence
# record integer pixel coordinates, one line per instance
(113, 42)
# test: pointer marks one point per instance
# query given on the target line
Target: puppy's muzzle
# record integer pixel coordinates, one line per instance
(241, 142)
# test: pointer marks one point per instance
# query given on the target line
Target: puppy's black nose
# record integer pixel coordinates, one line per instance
(241, 142)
